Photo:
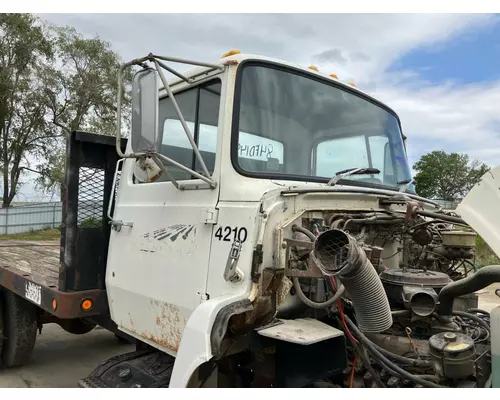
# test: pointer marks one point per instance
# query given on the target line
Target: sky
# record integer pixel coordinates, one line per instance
(439, 72)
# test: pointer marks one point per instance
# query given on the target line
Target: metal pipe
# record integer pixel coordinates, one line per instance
(183, 121)
(165, 171)
(184, 61)
(174, 72)
(354, 189)
(443, 217)
(186, 169)
(479, 280)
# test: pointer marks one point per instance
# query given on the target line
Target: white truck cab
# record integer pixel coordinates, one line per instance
(190, 241)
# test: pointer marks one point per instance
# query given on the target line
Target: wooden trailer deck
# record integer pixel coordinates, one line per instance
(40, 259)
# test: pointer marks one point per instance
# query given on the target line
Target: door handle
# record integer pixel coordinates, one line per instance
(117, 225)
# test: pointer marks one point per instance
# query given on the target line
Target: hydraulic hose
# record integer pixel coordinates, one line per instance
(305, 231)
(479, 280)
(296, 284)
(475, 318)
(313, 304)
(366, 361)
(385, 362)
(402, 359)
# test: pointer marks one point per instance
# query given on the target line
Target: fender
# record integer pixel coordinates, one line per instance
(207, 322)
(479, 208)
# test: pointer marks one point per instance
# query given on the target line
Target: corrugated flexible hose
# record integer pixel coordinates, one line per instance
(338, 254)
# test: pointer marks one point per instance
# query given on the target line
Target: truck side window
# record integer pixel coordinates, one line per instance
(200, 108)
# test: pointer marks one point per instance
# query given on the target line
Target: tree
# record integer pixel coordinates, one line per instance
(447, 176)
(23, 127)
(81, 94)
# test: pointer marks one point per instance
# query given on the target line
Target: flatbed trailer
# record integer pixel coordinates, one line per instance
(62, 281)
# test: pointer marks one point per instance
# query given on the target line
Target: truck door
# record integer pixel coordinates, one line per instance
(157, 268)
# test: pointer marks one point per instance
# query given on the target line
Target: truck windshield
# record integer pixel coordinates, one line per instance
(305, 128)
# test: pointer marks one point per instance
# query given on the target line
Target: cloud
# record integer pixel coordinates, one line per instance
(357, 47)
(331, 56)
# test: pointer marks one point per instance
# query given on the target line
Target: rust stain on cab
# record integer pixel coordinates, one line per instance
(169, 325)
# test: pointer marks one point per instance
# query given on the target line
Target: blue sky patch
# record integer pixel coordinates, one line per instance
(473, 56)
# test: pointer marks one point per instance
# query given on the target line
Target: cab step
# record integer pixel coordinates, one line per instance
(148, 368)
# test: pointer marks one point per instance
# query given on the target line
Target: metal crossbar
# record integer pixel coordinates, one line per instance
(159, 65)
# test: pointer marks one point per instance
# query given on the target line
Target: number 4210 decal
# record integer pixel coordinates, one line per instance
(229, 234)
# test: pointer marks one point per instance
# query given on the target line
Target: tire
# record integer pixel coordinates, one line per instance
(77, 326)
(20, 328)
(1, 322)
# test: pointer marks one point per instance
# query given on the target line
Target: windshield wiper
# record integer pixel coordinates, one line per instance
(352, 171)
(404, 185)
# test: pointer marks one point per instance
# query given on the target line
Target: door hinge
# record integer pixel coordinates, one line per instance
(210, 216)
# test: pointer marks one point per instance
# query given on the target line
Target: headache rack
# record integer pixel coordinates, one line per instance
(85, 231)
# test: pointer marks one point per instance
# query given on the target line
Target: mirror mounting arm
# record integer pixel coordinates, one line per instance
(181, 118)
(158, 157)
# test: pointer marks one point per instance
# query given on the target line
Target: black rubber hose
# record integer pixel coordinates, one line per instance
(479, 280)
(473, 317)
(366, 361)
(385, 362)
(296, 284)
(443, 217)
(305, 231)
(308, 302)
(402, 359)
(478, 311)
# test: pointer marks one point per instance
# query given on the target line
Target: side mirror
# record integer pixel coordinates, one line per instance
(145, 111)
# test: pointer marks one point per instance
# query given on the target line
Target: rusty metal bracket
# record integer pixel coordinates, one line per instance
(271, 280)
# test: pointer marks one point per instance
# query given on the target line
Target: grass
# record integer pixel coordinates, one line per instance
(44, 234)
(484, 254)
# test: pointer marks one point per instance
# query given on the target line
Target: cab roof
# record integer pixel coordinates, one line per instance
(235, 57)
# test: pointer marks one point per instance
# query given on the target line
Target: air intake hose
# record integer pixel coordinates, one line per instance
(479, 280)
(338, 254)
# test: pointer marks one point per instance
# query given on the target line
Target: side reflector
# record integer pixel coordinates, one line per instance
(86, 305)
(54, 304)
